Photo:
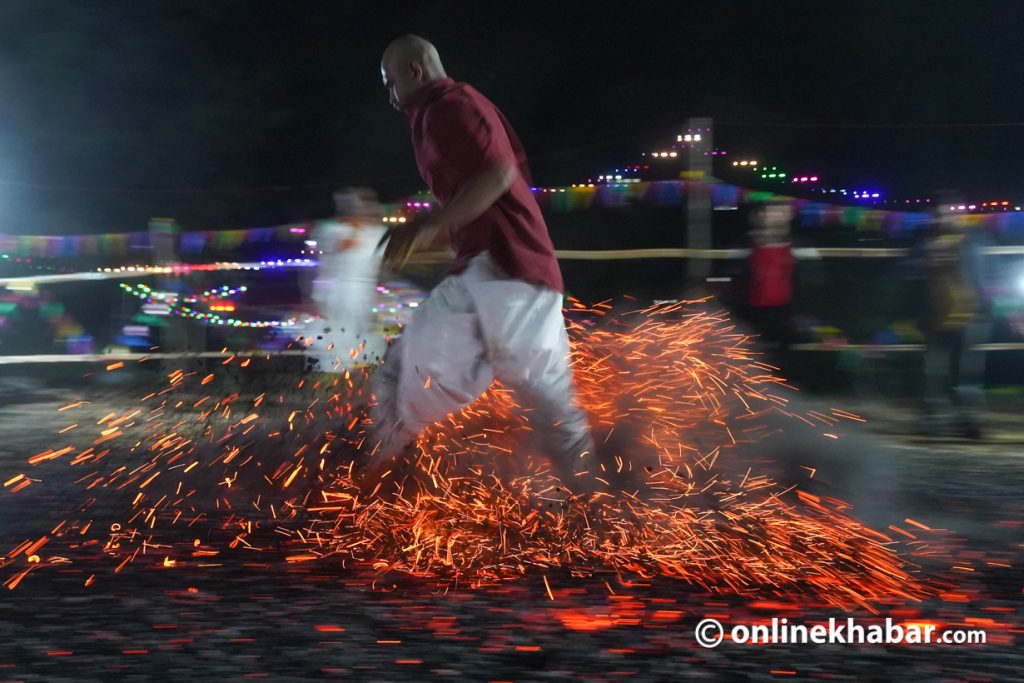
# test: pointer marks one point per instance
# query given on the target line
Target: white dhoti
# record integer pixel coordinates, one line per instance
(345, 291)
(475, 327)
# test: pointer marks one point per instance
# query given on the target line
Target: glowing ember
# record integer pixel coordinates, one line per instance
(671, 392)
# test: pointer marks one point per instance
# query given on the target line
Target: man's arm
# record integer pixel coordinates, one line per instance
(476, 196)
(470, 201)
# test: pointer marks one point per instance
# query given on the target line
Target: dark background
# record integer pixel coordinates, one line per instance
(236, 114)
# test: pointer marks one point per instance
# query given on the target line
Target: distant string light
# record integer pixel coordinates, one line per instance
(164, 303)
(999, 205)
(29, 281)
(180, 268)
(394, 299)
(621, 175)
(772, 173)
(217, 293)
(874, 197)
(917, 200)
(613, 179)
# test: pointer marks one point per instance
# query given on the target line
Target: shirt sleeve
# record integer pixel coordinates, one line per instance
(469, 138)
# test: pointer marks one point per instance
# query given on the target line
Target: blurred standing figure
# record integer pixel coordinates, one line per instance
(498, 315)
(956, 317)
(771, 269)
(345, 285)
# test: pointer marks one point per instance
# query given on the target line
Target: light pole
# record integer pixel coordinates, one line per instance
(698, 201)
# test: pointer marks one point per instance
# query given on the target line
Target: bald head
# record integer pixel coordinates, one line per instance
(409, 65)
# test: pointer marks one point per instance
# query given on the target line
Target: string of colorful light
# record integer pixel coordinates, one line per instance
(221, 292)
(151, 297)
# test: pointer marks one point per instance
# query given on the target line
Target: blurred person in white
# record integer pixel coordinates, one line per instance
(345, 286)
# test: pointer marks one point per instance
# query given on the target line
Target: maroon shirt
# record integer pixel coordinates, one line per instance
(771, 275)
(456, 134)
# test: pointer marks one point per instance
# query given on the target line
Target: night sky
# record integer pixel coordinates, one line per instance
(237, 114)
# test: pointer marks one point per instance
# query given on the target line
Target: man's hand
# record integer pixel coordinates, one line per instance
(400, 241)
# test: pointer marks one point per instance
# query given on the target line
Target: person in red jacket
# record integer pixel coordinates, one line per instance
(771, 268)
(498, 315)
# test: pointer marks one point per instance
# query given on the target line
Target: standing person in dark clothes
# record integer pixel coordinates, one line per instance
(498, 315)
(956, 317)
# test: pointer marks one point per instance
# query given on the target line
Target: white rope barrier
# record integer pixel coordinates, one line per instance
(726, 254)
(440, 257)
(296, 353)
(142, 358)
(126, 272)
(899, 348)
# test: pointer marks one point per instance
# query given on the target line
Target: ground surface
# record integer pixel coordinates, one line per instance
(254, 615)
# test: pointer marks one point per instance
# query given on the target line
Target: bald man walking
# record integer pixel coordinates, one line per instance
(498, 315)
